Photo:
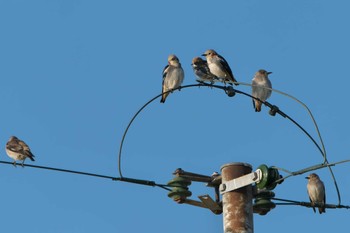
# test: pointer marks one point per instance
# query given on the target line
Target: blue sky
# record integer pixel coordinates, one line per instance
(73, 73)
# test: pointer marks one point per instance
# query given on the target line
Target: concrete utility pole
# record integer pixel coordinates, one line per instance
(237, 204)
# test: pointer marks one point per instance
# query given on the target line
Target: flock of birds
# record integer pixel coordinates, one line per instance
(214, 69)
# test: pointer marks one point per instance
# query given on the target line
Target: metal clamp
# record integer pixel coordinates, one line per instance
(242, 181)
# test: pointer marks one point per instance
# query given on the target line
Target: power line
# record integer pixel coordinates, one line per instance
(304, 105)
(122, 179)
(225, 89)
(308, 169)
(231, 92)
(309, 204)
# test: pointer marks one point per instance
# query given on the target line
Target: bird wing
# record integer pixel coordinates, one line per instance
(26, 150)
(324, 198)
(226, 66)
(165, 71)
(15, 146)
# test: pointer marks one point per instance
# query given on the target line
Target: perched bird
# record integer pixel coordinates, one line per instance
(218, 66)
(260, 81)
(201, 70)
(173, 76)
(18, 150)
(316, 191)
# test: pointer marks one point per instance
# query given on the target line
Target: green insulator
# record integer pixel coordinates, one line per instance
(262, 203)
(269, 177)
(179, 191)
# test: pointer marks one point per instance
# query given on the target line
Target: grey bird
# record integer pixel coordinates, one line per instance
(18, 150)
(173, 76)
(259, 83)
(219, 66)
(201, 70)
(316, 191)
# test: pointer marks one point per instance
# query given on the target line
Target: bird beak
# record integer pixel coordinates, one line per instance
(204, 55)
(269, 73)
(307, 177)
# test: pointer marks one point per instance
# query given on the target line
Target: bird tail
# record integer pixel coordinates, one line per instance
(257, 105)
(164, 96)
(30, 156)
(322, 210)
(235, 81)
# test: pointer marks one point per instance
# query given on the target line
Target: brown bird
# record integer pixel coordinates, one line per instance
(316, 191)
(259, 90)
(201, 70)
(18, 150)
(173, 76)
(219, 67)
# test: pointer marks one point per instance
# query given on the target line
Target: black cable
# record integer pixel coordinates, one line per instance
(62, 170)
(310, 137)
(145, 105)
(231, 92)
(285, 116)
(308, 204)
(122, 179)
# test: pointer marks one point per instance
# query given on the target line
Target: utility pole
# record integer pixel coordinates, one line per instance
(237, 204)
(235, 184)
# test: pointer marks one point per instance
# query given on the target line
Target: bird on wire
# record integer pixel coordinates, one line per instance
(173, 76)
(18, 150)
(260, 88)
(316, 192)
(219, 67)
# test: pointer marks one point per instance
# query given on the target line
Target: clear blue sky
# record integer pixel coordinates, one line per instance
(73, 73)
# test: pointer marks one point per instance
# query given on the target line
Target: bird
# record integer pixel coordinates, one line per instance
(259, 83)
(173, 76)
(316, 192)
(219, 67)
(201, 70)
(18, 150)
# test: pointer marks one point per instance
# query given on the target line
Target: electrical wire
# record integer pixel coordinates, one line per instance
(140, 110)
(165, 187)
(308, 204)
(300, 102)
(304, 170)
(122, 179)
(322, 151)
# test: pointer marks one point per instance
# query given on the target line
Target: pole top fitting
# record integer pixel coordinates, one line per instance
(236, 164)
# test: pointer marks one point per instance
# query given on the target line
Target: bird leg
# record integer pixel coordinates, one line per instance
(200, 82)
(22, 164)
(14, 164)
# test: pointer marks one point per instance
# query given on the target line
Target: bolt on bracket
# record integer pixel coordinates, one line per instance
(240, 182)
